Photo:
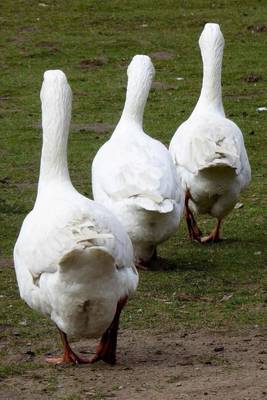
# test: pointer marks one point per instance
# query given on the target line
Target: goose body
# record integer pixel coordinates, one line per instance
(73, 259)
(208, 149)
(133, 174)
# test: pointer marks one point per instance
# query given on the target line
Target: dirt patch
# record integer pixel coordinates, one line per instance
(162, 56)
(18, 40)
(158, 85)
(97, 127)
(257, 28)
(4, 98)
(48, 46)
(6, 262)
(93, 63)
(151, 365)
(28, 29)
(252, 78)
(26, 185)
(5, 181)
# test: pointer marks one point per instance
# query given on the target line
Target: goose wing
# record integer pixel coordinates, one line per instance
(143, 173)
(44, 243)
(207, 144)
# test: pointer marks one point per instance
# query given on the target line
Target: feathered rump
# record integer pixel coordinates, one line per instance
(151, 204)
(220, 153)
(87, 253)
(153, 187)
(210, 149)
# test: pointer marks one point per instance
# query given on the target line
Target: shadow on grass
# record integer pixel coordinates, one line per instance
(194, 265)
(163, 264)
(223, 241)
(181, 264)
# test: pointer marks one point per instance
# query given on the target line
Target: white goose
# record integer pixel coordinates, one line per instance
(134, 176)
(73, 259)
(208, 149)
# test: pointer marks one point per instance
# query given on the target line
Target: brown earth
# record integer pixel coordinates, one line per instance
(162, 55)
(151, 365)
(95, 127)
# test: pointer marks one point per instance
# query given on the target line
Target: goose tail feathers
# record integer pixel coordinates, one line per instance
(211, 154)
(164, 206)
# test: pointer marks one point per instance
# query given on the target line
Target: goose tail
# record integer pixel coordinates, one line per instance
(220, 154)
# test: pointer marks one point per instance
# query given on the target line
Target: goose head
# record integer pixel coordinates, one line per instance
(211, 38)
(56, 96)
(141, 69)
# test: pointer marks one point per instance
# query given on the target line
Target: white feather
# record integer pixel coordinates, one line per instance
(133, 174)
(73, 258)
(208, 149)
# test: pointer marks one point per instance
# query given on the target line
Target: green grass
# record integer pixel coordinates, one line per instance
(35, 37)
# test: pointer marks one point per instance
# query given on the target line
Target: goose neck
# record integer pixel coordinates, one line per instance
(211, 92)
(55, 123)
(139, 83)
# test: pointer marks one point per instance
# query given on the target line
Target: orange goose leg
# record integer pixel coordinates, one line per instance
(69, 357)
(106, 349)
(214, 236)
(144, 265)
(193, 229)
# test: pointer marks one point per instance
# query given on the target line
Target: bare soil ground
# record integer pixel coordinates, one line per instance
(151, 365)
